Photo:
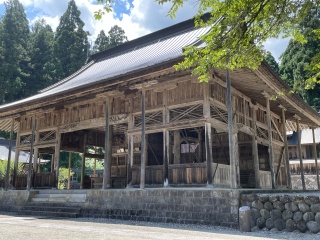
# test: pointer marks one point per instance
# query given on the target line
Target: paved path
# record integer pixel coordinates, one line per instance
(14, 227)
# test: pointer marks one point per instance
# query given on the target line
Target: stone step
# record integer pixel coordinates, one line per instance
(56, 191)
(59, 198)
(54, 204)
(49, 214)
(45, 208)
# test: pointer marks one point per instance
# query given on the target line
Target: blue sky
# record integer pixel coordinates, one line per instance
(136, 17)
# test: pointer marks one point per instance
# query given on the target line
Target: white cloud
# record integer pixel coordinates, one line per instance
(145, 15)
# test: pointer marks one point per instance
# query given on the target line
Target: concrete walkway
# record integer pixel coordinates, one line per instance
(13, 227)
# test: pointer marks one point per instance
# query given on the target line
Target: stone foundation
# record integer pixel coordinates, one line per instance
(189, 206)
(13, 201)
(284, 211)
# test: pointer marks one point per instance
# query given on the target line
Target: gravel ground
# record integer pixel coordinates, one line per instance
(14, 227)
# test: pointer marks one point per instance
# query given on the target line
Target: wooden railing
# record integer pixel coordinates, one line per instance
(221, 175)
(154, 175)
(188, 174)
(44, 180)
(21, 181)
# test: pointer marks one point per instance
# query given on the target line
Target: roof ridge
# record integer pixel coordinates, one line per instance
(148, 39)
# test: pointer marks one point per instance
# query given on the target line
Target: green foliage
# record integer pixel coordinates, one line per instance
(3, 168)
(101, 43)
(116, 36)
(76, 160)
(107, 7)
(272, 62)
(63, 177)
(15, 60)
(42, 58)
(71, 42)
(295, 66)
(90, 164)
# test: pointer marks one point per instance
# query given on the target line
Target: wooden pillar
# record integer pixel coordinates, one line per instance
(130, 144)
(83, 165)
(176, 146)
(286, 151)
(29, 178)
(209, 158)
(36, 151)
(95, 164)
(7, 179)
(233, 140)
(56, 157)
(35, 157)
(130, 161)
(143, 141)
(69, 169)
(300, 152)
(166, 140)
(255, 152)
(16, 157)
(208, 134)
(39, 162)
(107, 147)
(200, 147)
(166, 156)
(271, 152)
(52, 163)
(315, 157)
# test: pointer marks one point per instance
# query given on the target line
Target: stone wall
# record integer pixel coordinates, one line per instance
(13, 200)
(189, 206)
(284, 211)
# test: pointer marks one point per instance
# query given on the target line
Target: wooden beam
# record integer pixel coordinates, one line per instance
(94, 123)
(7, 179)
(271, 152)
(315, 157)
(300, 154)
(278, 131)
(94, 155)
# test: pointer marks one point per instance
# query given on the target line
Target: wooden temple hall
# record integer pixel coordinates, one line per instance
(154, 126)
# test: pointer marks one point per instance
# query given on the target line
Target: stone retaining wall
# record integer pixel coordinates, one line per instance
(284, 212)
(190, 206)
(13, 200)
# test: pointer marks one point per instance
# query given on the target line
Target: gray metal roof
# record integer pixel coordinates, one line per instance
(139, 57)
